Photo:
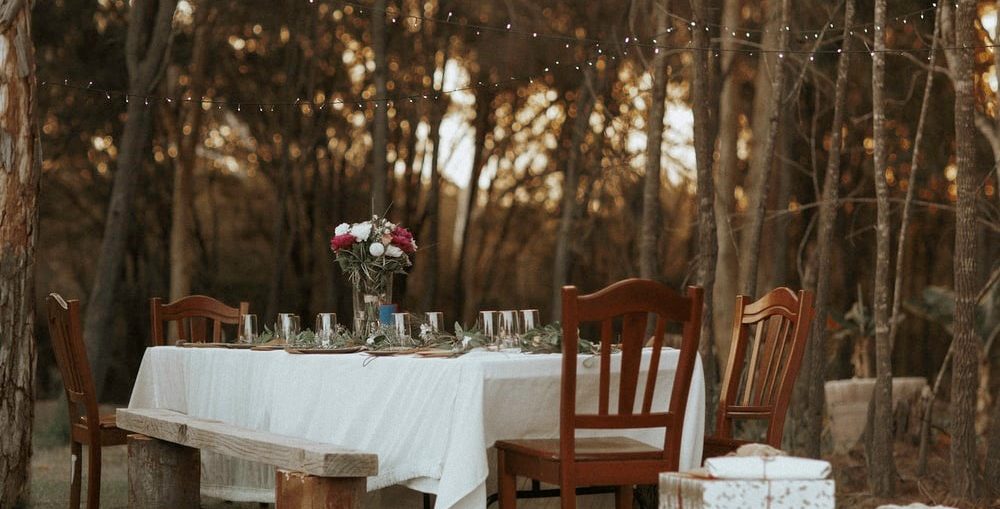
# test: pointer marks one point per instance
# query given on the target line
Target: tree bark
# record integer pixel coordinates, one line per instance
(146, 46)
(881, 464)
(484, 124)
(964, 468)
(727, 265)
(649, 240)
(703, 144)
(182, 206)
(20, 167)
(380, 129)
(816, 359)
(431, 257)
(586, 97)
(764, 159)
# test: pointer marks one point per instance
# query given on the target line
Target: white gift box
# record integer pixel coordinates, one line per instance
(687, 491)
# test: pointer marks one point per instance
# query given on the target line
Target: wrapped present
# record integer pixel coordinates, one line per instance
(690, 491)
(748, 482)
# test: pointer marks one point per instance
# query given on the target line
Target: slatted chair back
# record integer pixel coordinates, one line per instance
(66, 330)
(621, 311)
(192, 315)
(763, 366)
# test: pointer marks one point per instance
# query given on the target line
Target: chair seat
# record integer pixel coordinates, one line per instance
(586, 449)
(111, 434)
(719, 446)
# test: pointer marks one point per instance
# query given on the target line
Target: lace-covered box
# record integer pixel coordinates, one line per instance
(687, 491)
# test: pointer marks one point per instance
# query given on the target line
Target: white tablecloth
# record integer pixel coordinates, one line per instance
(431, 421)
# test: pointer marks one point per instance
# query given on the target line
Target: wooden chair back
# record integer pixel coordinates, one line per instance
(762, 368)
(627, 306)
(66, 330)
(192, 315)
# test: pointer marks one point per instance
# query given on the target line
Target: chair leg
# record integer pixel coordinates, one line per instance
(75, 486)
(94, 476)
(567, 496)
(506, 483)
(623, 497)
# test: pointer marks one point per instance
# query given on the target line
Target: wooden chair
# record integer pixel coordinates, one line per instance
(87, 426)
(192, 314)
(611, 461)
(762, 371)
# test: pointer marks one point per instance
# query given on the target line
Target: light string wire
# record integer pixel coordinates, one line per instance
(110, 93)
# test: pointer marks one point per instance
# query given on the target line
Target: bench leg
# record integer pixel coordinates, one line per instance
(162, 475)
(296, 490)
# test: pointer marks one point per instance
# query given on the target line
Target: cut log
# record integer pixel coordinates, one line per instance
(162, 475)
(295, 490)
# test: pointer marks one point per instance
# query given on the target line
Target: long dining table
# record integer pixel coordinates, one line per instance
(432, 421)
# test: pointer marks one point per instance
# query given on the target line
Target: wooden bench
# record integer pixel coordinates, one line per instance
(164, 464)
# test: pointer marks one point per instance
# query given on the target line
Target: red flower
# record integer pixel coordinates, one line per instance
(339, 242)
(403, 239)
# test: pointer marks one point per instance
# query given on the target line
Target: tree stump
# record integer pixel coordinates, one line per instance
(296, 490)
(162, 475)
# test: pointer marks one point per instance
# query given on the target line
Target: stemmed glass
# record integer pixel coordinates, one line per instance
(247, 332)
(488, 325)
(403, 326)
(529, 319)
(435, 319)
(326, 329)
(288, 328)
(509, 330)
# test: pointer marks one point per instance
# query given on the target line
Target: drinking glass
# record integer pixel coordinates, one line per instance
(326, 328)
(488, 324)
(509, 331)
(247, 332)
(435, 319)
(402, 325)
(529, 319)
(288, 328)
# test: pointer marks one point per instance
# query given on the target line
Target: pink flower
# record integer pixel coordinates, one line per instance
(344, 241)
(403, 239)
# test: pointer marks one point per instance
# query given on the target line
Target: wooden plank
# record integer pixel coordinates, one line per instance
(295, 490)
(324, 460)
(162, 475)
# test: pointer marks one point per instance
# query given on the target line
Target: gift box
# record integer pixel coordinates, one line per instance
(689, 491)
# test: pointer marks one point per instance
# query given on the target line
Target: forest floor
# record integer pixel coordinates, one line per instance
(50, 469)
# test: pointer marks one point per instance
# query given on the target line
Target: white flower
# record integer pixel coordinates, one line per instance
(465, 341)
(342, 228)
(371, 340)
(393, 252)
(361, 231)
(376, 249)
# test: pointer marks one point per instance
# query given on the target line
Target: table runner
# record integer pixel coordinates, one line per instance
(430, 421)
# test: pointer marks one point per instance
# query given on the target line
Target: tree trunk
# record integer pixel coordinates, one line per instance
(763, 156)
(727, 265)
(20, 167)
(881, 464)
(992, 465)
(703, 144)
(146, 46)
(964, 468)
(649, 241)
(380, 130)
(585, 95)
(816, 359)
(431, 257)
(483, 122)
(182, 206)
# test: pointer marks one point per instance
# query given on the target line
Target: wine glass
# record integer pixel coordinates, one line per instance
(435, 319)
(247, 331)
(508, 330)
(488, 324)
(288, 328)
(326, 328)
(402, 325)
(529, 319)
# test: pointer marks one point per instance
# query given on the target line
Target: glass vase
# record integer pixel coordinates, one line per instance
(370, 294)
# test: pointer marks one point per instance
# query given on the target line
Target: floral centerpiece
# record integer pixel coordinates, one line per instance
(370, 253)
